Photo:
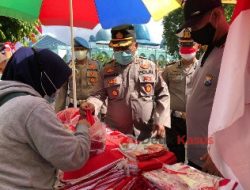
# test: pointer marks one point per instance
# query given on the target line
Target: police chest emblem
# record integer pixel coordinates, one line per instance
(208, 80)
(148, 88)
(115, 92)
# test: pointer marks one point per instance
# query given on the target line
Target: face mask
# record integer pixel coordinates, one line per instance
(81, 54)
(123, 57)
(52, 97)
(205, 35)
(188, 57)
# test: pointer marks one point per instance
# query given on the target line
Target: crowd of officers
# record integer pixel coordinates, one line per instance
(173, 105)
(130, 92)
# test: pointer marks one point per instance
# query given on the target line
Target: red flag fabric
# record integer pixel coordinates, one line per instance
(230, 117)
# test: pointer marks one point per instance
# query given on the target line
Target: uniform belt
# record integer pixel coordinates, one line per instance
(71, 100)
(179, 114)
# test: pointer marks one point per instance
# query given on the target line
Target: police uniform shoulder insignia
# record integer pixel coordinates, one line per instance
(109, 69)
(208, 80)
(142, 57)
(170, 64)
(112, 81)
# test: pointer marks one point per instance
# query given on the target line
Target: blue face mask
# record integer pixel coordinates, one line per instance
(123, 57)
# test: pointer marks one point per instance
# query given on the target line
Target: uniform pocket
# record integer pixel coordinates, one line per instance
(147, 83)
(113, 86)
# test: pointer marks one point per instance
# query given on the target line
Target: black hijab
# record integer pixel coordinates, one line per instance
(34, 67)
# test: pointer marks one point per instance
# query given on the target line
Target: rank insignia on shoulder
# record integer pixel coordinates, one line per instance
(208, 80)
(144, 65)
(115, 92)
(142, 57)
(148, 88)
(109, 70)
(112, 81)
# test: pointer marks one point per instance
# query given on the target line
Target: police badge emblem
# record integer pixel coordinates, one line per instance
(208, 80)
(148, 88)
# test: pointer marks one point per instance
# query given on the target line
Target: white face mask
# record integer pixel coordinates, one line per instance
(81, 54)
(188, 57)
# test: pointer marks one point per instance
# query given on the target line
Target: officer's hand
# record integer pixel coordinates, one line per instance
(86, 106)
(208, 165)
(158, 131)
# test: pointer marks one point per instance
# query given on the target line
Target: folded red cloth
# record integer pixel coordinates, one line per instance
(96, 162)
(156, 163)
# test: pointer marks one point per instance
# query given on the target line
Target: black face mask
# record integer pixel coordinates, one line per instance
(205, 35)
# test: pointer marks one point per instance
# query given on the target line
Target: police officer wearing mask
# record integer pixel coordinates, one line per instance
(86, 77)
(138, 98)
(208, 27)
(177, 76)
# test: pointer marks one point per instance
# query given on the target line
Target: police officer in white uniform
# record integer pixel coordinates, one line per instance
(177, 76)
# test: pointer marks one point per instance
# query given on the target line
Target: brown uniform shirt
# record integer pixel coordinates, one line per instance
(137, 96)
(177, 77)
(199, 104)
(87, 76)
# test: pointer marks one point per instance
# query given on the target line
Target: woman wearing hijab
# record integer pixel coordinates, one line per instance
(33, 143)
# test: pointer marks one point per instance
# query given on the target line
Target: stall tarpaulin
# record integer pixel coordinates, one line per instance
(230, 117)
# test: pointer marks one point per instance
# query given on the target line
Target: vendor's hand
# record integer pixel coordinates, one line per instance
(86, 106)
(158, 131)
(83, 122)
(208, 165)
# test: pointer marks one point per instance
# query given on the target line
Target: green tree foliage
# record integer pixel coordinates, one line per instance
(101, 58)
(171, 24)
(15, 30)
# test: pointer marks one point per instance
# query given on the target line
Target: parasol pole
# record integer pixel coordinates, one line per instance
(73, 52)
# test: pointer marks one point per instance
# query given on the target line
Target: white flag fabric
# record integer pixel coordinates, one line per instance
(230, 118)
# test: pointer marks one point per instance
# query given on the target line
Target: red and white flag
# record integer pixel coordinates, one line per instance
(230, 118)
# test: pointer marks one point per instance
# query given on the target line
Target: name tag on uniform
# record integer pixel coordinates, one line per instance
(145, 72)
